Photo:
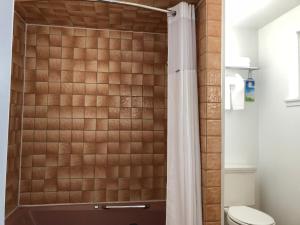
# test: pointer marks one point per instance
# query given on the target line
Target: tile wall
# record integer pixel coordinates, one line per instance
(88, 14)
(99, 15)
(15, 116)
(209, 73)
(94, 116)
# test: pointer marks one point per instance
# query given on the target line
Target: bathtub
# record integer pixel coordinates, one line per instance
(146, 213)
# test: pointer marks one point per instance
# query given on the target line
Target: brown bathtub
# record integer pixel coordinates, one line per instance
(150, 213)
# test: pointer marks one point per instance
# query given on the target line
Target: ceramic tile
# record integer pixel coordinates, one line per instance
(96, 112)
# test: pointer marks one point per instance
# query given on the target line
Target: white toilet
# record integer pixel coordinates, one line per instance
(239, 196)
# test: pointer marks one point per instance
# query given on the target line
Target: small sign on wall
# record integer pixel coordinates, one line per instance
(250, 90)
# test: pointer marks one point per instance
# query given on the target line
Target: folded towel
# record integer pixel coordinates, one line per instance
(234, 92)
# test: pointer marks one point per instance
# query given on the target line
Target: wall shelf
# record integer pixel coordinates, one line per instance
(240, 169)
(292, 102)
(242, 68)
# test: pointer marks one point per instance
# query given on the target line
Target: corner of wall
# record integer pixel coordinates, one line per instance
(209, 74)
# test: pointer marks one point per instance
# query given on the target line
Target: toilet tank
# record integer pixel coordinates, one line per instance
(239, 185)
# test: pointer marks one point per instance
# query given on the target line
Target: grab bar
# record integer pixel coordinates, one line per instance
(125, 206)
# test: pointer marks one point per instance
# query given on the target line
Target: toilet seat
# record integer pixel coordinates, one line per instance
(244, 215)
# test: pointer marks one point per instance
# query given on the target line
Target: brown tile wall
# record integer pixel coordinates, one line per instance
(94, 122)
(209, 74)
(94, 116)
(15, 116)
(96, 14)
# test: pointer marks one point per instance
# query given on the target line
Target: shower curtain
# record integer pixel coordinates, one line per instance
(183, 164)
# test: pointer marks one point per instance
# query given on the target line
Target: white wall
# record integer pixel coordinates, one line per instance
(241, 42)
(279, 154)
(241, 127)
(6, 26)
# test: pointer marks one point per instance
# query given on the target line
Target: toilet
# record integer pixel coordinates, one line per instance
(243, 215)
(239, 196)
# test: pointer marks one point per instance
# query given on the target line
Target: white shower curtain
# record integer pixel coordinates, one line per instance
(183, 173)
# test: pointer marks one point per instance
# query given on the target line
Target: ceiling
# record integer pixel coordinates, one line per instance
(256, 13)
(96, 14)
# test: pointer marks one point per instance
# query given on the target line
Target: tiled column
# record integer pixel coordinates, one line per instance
(209, 74)
(15, 116)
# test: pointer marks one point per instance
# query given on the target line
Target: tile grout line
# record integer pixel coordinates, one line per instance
(198, 4)
(16, 13)
(22, 117)
(11, 212)
(90, 28)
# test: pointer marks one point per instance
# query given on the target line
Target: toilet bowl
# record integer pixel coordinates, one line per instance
(243, 215)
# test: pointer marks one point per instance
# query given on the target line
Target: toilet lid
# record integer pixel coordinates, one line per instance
(246, 215)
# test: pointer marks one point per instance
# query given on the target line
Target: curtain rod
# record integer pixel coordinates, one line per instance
(171, 12)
